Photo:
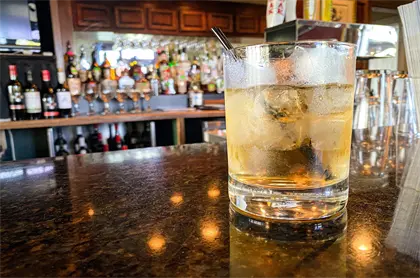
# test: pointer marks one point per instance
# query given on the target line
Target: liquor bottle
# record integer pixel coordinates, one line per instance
(155, 84)
(84, 65)
(95, 68)
(106, 67)
(195, 72)
(195, 95)
(32, 98)
(16, 99)
(63, 96)
(60, 144)
(205, 75)
(135, 70)
(91, 92)
(95, 140)
(68, 53)
(146, 140)
(163, 67)
(73, 81)
(121, 66)
(80, 146)
(117, 141)
(183, 68)
(326, 10)
(107, 89)
(49, 99)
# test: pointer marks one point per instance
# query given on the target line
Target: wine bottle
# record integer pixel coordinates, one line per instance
(95, 140)
(32, 98)
(60, 144)
(117, 139)
(63, 96)
(15, 92)
(49, 99)
(80, 146)
(95, 68)
(73, 80)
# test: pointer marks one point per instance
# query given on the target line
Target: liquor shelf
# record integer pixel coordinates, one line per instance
(113, 118)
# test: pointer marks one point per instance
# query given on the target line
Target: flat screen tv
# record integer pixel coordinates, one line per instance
(19, 26)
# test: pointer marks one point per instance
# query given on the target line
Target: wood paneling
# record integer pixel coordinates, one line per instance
(162, 19)
(263, 24)
(129, 17)
(193, 21)
(247, 24)
(93, 15)
(221, 20)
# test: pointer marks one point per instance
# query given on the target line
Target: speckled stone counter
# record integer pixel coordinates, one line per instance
(165, 212)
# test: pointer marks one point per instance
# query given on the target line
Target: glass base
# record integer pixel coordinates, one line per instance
(289, 204)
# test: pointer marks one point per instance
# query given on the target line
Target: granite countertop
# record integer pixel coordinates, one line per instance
(165, 212)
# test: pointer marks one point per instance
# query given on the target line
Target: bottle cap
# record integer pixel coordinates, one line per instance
(106, 148)
(45, 75)
(124, 147)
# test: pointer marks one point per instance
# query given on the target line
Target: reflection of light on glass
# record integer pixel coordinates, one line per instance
(11, 174)
(114, 158)
(91, 212)
(156, 243)
(39, 170)
(209, 230)
(177, 198)
(213, 192)
(147, 154)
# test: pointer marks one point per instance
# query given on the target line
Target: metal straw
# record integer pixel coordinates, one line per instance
(225, 42)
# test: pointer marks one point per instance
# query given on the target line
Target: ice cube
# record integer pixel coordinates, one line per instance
(328, 99)
(319, 65)
(284, 103)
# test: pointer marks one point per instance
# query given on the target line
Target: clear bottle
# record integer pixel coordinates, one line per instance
(49, 98)
(63, 96)
(84, 65)
(32, 98)
(73, 81)
(16, 98)
(183, 68)
(107, 89)
(195, 72)
(91, 93)
(95, 68)
(155, 84)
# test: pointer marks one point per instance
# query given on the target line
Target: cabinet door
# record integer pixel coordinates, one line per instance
(223, 21)
(162, 19)
(129, 17)
(92, 15)
(263, 24)
(247, 24)
(192, 21)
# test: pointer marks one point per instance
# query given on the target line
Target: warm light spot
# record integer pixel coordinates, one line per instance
(313, 208)
(363, 247)
(177, 198)
(156, 243)
(210, 231)
(91, 212)
(213, 193)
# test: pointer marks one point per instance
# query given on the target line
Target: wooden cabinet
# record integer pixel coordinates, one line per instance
(92, 15)
(247, 24)
(162, 19)
(169, 17)
(221, 20)
(362, 11)
(192, 21)
(263, 24)
(129, 17)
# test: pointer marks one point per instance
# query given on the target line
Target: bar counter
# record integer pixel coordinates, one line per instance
(165, 212)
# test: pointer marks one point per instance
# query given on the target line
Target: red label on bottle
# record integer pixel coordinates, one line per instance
(45, 75)
(51, 114)
(17, 106)
(12, 71)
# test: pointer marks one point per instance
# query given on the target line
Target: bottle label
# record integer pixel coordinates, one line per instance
(82, 75)
(97, 73)
(211, 87)
(74, 86)
(33, 102)
(17, 107)
(73, 70)
(64, 100)
(51, 114)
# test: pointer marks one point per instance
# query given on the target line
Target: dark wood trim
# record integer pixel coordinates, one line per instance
(138, 13)
(187, 26)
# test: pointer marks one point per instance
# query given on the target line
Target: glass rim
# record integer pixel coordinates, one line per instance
(295, 43)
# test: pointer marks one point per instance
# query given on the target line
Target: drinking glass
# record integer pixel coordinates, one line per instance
(75, 88)
(147, 95)
(135, 96)
(121, 95)
(289, 110)
(90, 94)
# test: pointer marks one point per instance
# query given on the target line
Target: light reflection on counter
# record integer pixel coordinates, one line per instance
(210, 231)
(177, 198)
(156, 243)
